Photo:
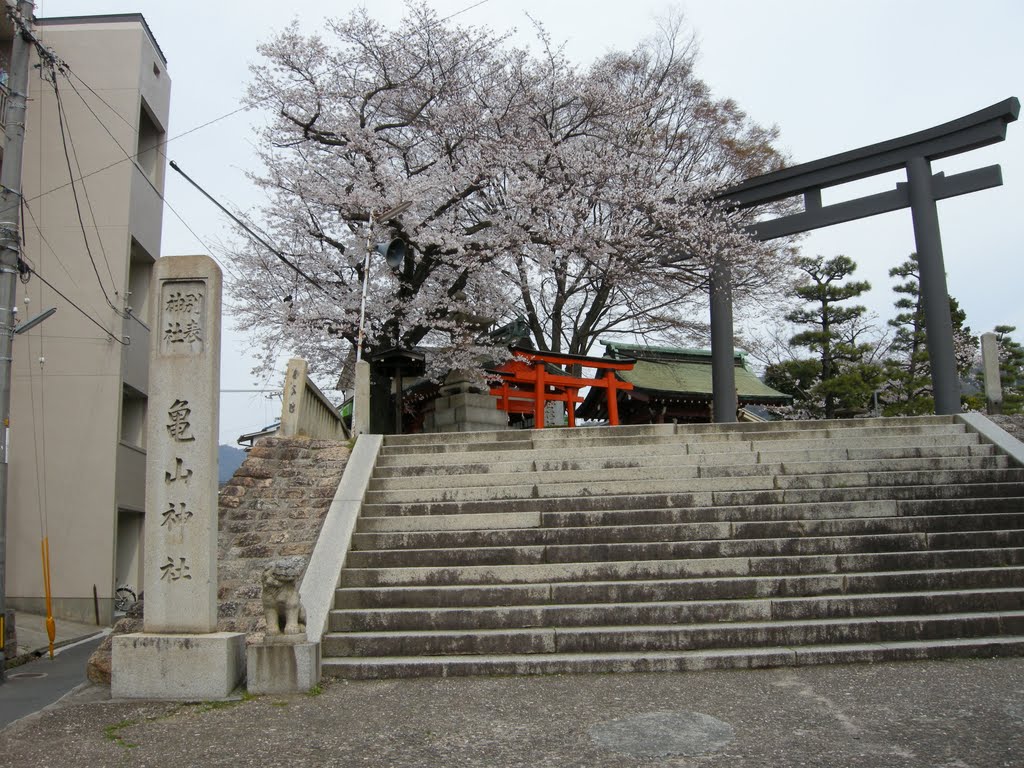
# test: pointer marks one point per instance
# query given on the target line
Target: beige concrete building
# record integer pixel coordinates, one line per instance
(77, 453)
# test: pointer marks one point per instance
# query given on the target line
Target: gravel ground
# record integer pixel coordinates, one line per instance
(943, 714)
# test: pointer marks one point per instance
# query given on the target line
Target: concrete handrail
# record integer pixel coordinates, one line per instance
(305, 410)
(990, 432)
(328, 558)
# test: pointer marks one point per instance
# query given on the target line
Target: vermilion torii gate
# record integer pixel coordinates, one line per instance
(914, 153)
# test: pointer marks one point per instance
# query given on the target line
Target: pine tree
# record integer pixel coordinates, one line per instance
(845, 382)
(908, 389)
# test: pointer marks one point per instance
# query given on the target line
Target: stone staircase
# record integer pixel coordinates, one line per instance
(663, 547)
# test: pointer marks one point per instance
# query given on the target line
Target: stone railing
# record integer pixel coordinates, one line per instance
(306, 410)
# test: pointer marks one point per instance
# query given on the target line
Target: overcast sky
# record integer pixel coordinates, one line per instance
(833, 76)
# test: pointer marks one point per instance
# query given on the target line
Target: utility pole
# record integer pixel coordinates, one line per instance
(10, 251)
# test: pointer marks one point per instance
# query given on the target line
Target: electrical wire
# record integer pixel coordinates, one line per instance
(158, 147)
(458, 13)
(57, 64)
(252, 233)
(64, 137)
(62, 112)
(26, 269)
(84, 314)
(134, 160)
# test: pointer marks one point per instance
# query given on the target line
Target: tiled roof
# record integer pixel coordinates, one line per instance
(686, 371)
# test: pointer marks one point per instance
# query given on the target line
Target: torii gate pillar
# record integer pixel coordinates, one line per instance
(934, 294)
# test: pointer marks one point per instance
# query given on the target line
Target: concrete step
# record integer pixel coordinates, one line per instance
(674, 515)
(575, 489)
(648, 430)
(853, 479)
(660, 433)
(677, 637)
(670, 661)
(677, 550)
(661, 613)
(678, 590)
(498, 453)
(513, 537)
(674, 459)
(693, 499)
(536, 573)
(636, 470)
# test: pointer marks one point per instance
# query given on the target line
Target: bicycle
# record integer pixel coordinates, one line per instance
(124, 598)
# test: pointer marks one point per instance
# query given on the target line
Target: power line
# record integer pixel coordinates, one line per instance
(42, 237)
(62, 113)
(64, 137)
(158, 147)
(459, 13)
(134, 160)
(252, 233)
(85, 314)
(59, 64)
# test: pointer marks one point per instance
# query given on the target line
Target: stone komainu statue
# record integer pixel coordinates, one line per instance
(284, 613)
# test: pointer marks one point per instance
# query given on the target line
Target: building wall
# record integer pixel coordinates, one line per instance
(66, 427)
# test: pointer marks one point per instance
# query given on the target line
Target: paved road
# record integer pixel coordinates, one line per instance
(967, 713)
(41, 682)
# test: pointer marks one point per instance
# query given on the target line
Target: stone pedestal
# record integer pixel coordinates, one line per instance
(177, 667)
(281, 667)
(464, 406)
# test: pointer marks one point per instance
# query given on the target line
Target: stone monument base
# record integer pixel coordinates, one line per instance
(177, 667)
(282, 667)
(463, 406)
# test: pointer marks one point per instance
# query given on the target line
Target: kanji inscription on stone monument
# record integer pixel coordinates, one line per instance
(183, 326)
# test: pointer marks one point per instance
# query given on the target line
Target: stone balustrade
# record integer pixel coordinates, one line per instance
(306, 411)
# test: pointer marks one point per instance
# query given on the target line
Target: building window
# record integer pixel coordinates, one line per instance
(150, 150)
(140, 274)
(133, 417)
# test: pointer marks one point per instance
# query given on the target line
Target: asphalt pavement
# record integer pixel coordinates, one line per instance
(965, 713)
(43, 681)
(37, 681)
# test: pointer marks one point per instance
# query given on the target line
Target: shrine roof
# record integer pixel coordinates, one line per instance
(681, 371)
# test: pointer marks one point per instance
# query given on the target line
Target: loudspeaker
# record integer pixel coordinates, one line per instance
(393, 252)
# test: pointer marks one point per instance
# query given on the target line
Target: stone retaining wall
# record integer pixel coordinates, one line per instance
(274, 506)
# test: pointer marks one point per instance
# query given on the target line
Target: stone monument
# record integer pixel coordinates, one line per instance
(990, 366)
(180, 654)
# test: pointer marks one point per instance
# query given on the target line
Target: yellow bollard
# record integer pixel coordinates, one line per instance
(51, 625)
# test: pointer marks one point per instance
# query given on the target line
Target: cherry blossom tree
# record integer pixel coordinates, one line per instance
(538, 189)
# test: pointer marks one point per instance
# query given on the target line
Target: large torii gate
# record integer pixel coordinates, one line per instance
(921, 190)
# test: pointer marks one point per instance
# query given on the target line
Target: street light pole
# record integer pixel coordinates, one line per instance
(388, 215)
(362, 300)
(361, 399)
